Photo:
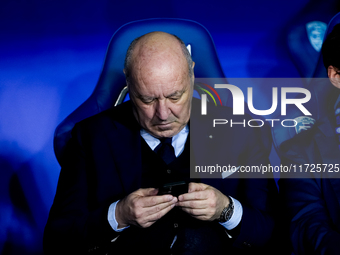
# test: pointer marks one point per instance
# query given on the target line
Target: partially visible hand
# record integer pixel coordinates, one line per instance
(203, 202)
(143, 207)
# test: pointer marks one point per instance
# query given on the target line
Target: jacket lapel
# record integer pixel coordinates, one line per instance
(125, 146)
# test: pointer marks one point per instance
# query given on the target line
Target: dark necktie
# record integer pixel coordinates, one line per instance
(165, 150)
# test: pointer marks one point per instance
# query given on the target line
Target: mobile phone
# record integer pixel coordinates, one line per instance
(174, 188)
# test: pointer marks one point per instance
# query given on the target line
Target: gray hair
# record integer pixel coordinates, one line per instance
(127, 62)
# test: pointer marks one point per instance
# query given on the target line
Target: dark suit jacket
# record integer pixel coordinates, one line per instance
(312, 201)
(104, 165)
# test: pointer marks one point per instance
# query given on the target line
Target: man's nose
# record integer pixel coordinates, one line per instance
(162, 109)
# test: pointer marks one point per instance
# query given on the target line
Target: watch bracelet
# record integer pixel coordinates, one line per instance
(227, 212)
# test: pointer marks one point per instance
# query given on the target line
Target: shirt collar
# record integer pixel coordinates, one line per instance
(178, 141)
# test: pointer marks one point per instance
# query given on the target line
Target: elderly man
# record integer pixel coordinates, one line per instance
(313, 202)
(108, 193)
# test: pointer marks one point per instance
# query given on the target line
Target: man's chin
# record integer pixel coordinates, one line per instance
(160, 132)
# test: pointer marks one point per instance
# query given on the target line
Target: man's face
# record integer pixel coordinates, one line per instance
(162, 97)
(334, 75)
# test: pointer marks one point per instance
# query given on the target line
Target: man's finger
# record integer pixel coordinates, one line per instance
(200, 214)
(193, 186)
(195, 212)
(159, 207)
(194, 204)
(166, 207)
(197, 195)
(147, 192)
(155, 200)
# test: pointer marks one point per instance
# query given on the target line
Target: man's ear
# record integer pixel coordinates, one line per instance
(193, 73)
(125, 77)
(334, 76)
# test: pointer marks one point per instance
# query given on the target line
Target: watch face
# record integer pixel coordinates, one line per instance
(223, 217)
(227, 212)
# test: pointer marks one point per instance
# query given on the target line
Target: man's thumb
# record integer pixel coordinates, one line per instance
(196, 187)
(148, 192)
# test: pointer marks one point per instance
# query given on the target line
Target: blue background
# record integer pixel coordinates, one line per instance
(51, 54)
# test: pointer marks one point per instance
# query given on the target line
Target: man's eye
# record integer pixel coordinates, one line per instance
(147, 101)
(175, 98)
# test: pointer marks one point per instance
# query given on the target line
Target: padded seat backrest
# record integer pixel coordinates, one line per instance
(112, 80)
(321, 90)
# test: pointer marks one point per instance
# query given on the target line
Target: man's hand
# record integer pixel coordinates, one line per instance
(203, 202)
(143, 207)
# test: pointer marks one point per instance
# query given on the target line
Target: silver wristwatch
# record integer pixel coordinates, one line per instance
(227, 212)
